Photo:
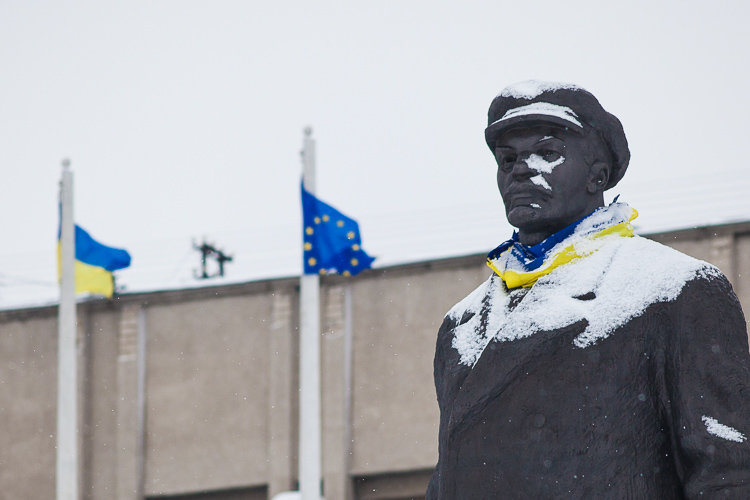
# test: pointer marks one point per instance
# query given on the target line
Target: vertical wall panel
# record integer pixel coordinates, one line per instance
(28, 408)
(207, 394)
(396, 319)
(282, 394)
(100, 427)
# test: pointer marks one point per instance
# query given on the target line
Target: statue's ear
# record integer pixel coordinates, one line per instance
(598, 177)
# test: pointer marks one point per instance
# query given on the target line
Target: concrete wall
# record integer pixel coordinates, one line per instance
(27, 406)
(192, 394)
(397, 313)
(220, 392)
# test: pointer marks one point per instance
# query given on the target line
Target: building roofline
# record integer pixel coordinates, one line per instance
(287, 283)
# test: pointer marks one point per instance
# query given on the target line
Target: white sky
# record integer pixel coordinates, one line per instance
(184, 118)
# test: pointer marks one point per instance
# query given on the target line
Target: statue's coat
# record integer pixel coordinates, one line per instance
(540, 417)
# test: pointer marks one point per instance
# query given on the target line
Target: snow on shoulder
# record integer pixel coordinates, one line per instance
(626, 275)
(641, 272)
(530, 89)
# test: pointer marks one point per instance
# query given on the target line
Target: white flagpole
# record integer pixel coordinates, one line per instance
(67, 416)
(309, 359)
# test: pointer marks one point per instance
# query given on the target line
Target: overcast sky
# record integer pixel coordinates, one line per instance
(184, 119)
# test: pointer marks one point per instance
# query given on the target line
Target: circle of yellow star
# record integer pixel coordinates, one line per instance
(317, 220)
(347, 273)
(322, 271)
(355, 247)
(308, 245)
(311, 261)
(308, 230)
(354, 262)
(326, 218)
(350, 235)
(340, 223)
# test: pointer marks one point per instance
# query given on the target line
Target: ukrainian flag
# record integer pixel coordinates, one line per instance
(94, 264)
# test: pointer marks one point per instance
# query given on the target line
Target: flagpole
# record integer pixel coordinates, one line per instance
(309, 359)
(67, 418)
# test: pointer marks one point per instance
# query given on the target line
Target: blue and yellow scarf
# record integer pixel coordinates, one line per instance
(521, 265)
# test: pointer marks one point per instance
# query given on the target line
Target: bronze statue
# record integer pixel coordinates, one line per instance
(593, 363)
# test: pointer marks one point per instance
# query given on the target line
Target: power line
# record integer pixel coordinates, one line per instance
(25, 281)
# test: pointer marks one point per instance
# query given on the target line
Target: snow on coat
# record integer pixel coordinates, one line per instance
(624, 374)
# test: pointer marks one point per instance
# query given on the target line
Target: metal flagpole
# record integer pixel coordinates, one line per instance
(67, 394)
(309, 359)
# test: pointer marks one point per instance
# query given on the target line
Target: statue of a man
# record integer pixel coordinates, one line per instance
(592, 363)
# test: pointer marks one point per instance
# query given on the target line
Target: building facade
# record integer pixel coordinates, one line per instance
(193, 394)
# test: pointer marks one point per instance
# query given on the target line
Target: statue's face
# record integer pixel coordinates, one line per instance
(544, 180)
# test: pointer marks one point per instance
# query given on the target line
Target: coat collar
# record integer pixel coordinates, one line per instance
(521, 265)
(509, 343)
(552, 303)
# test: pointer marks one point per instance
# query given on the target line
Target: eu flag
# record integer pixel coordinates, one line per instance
(331, 240)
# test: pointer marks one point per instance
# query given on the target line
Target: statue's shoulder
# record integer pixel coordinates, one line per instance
(636, 273)
(649, 260)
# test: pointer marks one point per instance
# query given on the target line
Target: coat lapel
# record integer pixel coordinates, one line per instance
(502, 363)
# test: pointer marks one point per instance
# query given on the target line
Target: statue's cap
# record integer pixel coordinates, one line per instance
(561, 104)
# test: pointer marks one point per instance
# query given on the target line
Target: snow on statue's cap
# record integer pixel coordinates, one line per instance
(561, 104)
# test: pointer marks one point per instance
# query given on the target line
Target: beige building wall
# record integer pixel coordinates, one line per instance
(397, 313)
(192, 394)
(27, 405)
(99, 394)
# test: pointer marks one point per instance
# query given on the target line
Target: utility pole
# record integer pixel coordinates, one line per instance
(309, 359)
(207, 250)
(66, 470)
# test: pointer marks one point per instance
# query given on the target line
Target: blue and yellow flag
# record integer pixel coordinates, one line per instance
(94, 264)
(331, 240)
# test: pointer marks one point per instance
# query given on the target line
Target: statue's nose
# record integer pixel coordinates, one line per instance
(521, 168)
